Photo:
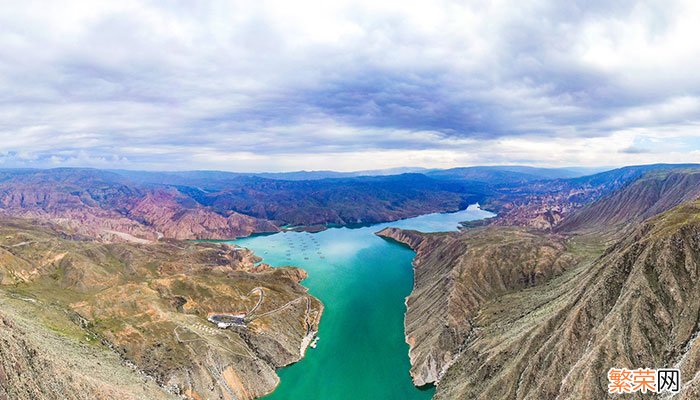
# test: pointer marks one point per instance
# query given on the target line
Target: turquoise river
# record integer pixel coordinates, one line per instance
(362, 281)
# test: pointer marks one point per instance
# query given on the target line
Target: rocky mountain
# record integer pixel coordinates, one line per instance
(650, 195)
(340, 201)
(456, 274)
(167, 212)
(514, 313)
(544, 204)
(146, 306)
(101, 204)
(188, 177)
(58, 362)
(147, 206)
(575, 276)
(508, 174)
(497, 174)
(635, 305)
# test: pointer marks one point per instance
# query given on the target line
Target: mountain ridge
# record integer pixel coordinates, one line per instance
(515, 312)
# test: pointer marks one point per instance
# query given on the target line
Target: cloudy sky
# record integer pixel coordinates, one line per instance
(346, 85)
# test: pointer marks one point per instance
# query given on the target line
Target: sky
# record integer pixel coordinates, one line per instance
(348, 85)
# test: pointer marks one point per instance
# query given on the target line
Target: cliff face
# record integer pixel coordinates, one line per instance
(455, 274)
(636, 305)
(412, 239)
(505, 313)
(149, 304)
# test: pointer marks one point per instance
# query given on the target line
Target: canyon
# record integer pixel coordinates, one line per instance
(107, 278)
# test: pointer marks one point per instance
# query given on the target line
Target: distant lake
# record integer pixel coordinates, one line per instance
(362, 281)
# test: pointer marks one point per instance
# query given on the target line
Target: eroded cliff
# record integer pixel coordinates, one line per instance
(455, 274)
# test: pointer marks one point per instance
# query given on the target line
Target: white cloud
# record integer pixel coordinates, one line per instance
(276, 85)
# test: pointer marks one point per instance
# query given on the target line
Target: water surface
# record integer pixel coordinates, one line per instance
(362, 281)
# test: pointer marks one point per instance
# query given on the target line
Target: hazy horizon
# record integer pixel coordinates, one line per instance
(388, 171)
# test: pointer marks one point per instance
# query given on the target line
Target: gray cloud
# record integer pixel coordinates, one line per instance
(635, 150)
(236, 85)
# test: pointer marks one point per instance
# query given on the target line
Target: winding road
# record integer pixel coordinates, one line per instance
(261, 292)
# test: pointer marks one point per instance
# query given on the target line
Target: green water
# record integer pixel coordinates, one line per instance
(362, 281)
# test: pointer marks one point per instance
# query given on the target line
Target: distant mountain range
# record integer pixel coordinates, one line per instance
(140, 205)
(491, 174)
(147, 206)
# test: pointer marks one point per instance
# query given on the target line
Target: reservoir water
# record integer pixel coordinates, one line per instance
(362, 281)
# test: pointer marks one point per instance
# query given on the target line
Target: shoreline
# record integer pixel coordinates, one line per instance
(414, 239)
(260, 246)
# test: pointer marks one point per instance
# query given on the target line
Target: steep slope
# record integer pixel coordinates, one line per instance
(150, 304)
(168, 213)
(650, 195)
(544, 204)
(318, 198)
(341, 201)
(489, 331)
(637, 305)
(45, 356)
(144, 206)
(455, 274)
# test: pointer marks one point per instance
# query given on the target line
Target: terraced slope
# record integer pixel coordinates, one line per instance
(149, 304)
